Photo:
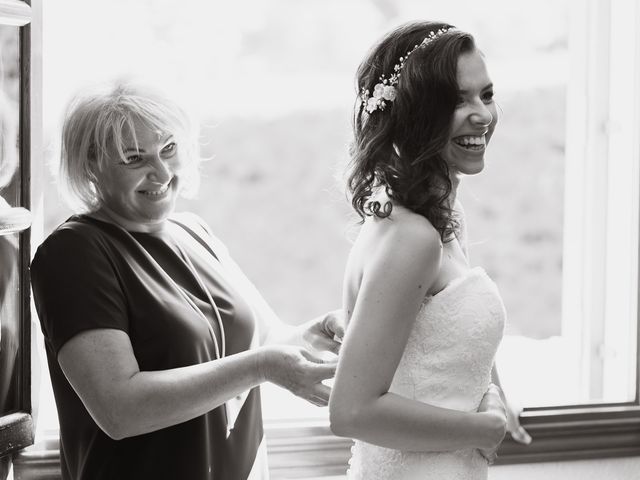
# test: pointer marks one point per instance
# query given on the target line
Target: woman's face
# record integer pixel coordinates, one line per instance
(475, 116)
(140, 193)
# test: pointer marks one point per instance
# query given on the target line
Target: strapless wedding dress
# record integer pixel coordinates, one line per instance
(447, 362)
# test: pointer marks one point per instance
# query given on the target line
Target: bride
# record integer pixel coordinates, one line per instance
(413, 386)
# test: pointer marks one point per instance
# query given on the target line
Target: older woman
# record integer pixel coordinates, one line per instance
(155, 339)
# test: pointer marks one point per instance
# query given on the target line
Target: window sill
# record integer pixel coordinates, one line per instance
(16, 432)
(576, 433)
(14, 220)
(307, 449)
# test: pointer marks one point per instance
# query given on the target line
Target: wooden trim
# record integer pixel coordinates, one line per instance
(14, 12)
(16, 429)
(305, 450)
(16, 432)
(309, 449)
(574, 433)
(14, 220)
(37, 465)
(567, 433)
(25, 236)
(38, 462)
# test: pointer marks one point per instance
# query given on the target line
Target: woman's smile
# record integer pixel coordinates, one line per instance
(157, 193)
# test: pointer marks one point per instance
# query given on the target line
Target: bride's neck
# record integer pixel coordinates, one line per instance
(455, 182)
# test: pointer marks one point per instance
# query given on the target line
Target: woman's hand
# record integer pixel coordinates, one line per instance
(326, 332)
(298, 371)
(513, 408)
(494, 409)
(517, 431)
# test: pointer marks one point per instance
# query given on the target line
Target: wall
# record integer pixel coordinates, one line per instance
(602, 469)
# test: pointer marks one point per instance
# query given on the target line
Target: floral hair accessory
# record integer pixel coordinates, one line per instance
(385, 90)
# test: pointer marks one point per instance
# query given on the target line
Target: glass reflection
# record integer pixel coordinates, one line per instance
(9, 322)
(10, 192)
(9, 197)
(9, 116)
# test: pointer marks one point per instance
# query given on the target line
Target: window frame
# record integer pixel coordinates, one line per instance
(17, 428)
(560, 433)
(308, 448)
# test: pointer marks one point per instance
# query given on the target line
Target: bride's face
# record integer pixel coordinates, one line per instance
(475, 116)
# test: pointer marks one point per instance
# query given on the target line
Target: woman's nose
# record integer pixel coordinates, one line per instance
(161, 171)
(481, 115)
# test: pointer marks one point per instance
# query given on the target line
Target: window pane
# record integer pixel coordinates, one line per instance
(565, 218)
(9, 115)
(10, 304)
(275, 97)
(10, 190)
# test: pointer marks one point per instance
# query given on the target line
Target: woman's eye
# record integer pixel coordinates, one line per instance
(487, 96)
(132, 159)
(170, 148)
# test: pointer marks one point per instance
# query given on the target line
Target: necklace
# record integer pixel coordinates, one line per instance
(220, 349)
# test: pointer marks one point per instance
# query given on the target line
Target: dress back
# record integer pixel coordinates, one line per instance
(447, 363)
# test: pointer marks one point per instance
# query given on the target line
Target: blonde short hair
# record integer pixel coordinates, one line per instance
(94, 127)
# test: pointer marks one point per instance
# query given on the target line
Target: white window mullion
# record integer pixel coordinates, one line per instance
(622, 202)
(585, 194)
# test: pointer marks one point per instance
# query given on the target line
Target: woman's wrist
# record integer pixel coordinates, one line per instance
(489, 428)
(264, 361)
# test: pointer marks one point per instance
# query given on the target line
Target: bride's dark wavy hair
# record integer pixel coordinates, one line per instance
(399, 148)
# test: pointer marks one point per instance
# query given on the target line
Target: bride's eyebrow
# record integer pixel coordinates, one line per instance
(489, 86)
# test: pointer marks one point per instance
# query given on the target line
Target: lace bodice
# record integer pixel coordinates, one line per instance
(447, 362)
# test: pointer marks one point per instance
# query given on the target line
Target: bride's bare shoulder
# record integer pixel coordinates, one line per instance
(406, 223)
(403, 230)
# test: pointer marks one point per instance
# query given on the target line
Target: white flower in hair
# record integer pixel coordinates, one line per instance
(373, 104)
(385, 91)
(389, 93)
(377, 90)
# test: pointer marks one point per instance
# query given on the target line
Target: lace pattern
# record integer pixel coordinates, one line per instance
(447, 362)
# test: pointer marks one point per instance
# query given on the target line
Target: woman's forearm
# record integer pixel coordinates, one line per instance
(125, 401)
(161, 399)
(400, 423)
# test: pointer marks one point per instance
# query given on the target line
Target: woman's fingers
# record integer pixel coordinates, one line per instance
(517, 431)
(311, 357)
(322, 392)
(492, 400)
(319, 395)
(302, 373)
(520, 435)
(327, 344)
(316, 392)
(490, 457)
(322, 369)
(326, 334)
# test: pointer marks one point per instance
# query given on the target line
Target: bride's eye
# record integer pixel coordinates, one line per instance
(487, 97)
